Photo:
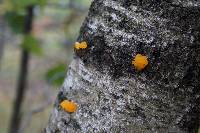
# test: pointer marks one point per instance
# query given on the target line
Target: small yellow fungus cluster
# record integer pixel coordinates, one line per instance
(140, 62)
(69, 106)
(82, 45)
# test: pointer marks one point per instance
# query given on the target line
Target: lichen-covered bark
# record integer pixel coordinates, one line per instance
(112, 96)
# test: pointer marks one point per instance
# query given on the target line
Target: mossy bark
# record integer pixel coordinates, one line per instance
(114, 97)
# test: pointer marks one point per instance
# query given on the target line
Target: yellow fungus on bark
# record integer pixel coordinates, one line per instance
(82, 45)
(140, 62)
(69, 106)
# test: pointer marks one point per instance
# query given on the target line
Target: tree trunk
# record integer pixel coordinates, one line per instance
(112, 96)
(22, 80)
(2, 37)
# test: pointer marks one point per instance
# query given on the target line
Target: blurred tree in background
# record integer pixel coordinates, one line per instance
(2, 29)
(44, 32)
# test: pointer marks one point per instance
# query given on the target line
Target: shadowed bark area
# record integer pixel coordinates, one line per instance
(112, 95)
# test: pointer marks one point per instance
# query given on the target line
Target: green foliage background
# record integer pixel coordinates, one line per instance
(55, 29)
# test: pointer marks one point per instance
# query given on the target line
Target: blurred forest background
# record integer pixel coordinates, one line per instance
(49, 46)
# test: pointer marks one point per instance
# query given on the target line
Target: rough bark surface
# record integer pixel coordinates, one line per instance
(112, 96)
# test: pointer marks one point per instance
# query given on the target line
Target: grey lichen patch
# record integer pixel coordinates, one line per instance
(111, 95)
(187, 3)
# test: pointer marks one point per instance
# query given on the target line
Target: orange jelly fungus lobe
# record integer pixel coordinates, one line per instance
(69, 106)
(140, 62)
(82, 45)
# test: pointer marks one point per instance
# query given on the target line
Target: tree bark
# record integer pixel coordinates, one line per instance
(114, 97)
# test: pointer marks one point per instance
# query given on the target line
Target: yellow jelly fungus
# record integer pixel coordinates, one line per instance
(69, 106)
(82, 45)
(140, 62)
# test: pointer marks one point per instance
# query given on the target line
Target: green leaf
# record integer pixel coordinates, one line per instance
(31, 45)
(42, 2)
(17, 4)
(16, 21)
(56, 75)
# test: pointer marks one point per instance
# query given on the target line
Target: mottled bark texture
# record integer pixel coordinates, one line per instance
(113, 96)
